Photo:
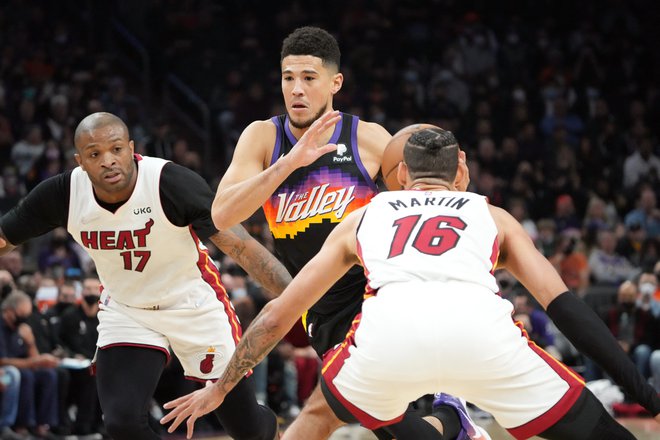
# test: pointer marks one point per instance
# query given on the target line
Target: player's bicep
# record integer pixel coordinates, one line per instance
(520, 257)
(249, 157)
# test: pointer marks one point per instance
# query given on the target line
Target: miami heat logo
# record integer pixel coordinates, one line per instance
(206, 364)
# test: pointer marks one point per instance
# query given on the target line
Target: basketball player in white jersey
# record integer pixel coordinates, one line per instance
(142, 220)
(434, 320)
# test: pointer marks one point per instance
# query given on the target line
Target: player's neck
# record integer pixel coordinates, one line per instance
(431, 185)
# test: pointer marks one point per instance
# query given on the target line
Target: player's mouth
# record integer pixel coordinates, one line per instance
(298, 107)
(112, 177)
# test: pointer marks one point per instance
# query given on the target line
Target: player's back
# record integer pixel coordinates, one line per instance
(428, 236)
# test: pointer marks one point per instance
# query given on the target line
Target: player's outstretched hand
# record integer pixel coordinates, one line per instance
(193, 406)
(308, 147)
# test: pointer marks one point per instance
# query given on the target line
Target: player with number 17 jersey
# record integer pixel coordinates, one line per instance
(135, 260)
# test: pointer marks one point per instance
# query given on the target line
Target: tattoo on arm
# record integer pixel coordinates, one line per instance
(232, 241)
(254, 258)
(255, 344)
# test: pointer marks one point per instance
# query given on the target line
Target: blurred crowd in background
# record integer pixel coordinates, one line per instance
(556, 104)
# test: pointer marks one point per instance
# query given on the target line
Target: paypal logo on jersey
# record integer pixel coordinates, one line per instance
(339, 154)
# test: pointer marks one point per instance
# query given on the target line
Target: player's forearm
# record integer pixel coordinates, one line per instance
(21, 363)
(589, 334)
(257, 261)
(264, 268)
(237, 202)
(260, 338)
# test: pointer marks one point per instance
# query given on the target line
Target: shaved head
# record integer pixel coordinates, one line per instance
(95, 121)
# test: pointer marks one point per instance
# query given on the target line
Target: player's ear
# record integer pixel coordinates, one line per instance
(402, 174)
(337, 82)
(77, 157)
(462, 179)
(131, 145)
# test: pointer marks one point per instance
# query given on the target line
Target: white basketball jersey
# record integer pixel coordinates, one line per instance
(429, 236)
(142, 259)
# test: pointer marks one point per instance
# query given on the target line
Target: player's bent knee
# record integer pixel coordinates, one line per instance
(318, 409)
(265, 428)
(127, 425)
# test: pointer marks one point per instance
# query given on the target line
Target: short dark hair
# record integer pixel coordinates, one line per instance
(432, 152)
(313, 41)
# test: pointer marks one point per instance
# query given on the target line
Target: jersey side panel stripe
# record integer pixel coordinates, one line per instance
(211, 275)
(356, 154)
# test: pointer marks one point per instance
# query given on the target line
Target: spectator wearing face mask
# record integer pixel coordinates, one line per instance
(648, 288)
(45, 323)
(37, 410)
(7, 284)
(78, 335)
(648, 300)
(632, 326)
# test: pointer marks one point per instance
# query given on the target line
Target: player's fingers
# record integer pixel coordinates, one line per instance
(322, 123)
(179, 419)
(327, 117)
(332, 119)
(191, 425)
(3, 242)
(327, 148)
(167, 417)
(176, 402)
(175, 415)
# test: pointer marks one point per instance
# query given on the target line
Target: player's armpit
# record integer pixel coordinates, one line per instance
(257, 261)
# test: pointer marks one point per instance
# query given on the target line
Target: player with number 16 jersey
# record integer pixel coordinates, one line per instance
(410, 219)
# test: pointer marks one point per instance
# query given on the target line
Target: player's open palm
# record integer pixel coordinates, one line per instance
(193, 406)
(309, 147)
